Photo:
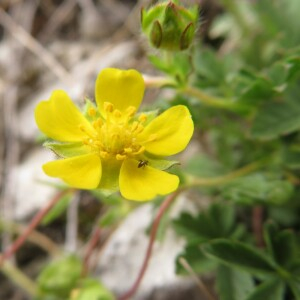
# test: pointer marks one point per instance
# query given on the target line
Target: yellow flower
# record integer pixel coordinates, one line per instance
(113, 147)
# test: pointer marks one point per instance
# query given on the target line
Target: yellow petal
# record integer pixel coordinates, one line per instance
(60, 119)
(172, 131)
(82, 172)
(119, 87)
(142, 184)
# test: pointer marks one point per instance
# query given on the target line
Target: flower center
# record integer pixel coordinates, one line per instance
(116, 135)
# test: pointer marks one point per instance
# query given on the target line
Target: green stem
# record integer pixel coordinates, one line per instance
(14, 274)
(207, 99)
(220, 180)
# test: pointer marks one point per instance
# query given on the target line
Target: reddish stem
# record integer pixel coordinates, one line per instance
(92, 243)
(165, 205)
(257, 225)
(33, 224)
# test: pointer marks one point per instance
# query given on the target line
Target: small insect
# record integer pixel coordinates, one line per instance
(143, 163)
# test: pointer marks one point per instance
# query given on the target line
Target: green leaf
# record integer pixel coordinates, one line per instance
(233, 284)
(92, 289)
(209, 67)
(197, 259)
(269, 290)
(57, 210)
(282, 245)
(258, 189)
(203, 166)
(277, 118)
(218, 221)
(67, 149)
(237, 254)
(60, 276)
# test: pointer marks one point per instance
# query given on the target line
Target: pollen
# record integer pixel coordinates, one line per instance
(116, 135)
(92, 112)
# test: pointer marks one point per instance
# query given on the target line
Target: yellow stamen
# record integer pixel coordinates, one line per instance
(108, 107)
(142, 118)
(121, 157)
(92, 112)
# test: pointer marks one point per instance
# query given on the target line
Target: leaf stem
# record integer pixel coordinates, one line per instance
(208, 99)
(206, 182)
(163, 208)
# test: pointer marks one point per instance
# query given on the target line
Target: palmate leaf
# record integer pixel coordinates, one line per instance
(218, 221)
(277, 118)
(200, 263)
(281, 245)
(243, 256)
(258, 188)
(269, 290)
(233, 284)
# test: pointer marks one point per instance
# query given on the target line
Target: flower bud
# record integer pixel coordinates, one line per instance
(170, 26)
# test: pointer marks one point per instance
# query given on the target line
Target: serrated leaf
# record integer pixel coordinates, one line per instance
(200, 263)
(281, 244)
(233, 284)
(217, 221)
(237, 254)
(269, 290)
(258, 189)
(277, 118)
(203, 166)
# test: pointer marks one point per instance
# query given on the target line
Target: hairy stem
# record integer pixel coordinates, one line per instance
(163, 208)
(92, 243)
(34, 223)
(225, 178)
(208, 99)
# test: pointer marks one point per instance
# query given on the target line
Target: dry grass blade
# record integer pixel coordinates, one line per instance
(34, 46)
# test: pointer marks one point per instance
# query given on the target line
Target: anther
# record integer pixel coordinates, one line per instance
(120, 157)
(108, 107)
(117, 113)
(130, 111)
(128, 150)
(92, 112)
(142, 118)
(104, 154)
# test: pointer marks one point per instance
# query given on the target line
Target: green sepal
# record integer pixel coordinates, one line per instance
(170, 26)
(151, 115)
(88, 105)
(156, 34)
(65, 150)
(158, 162)
(111, 169)
(187, 36)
